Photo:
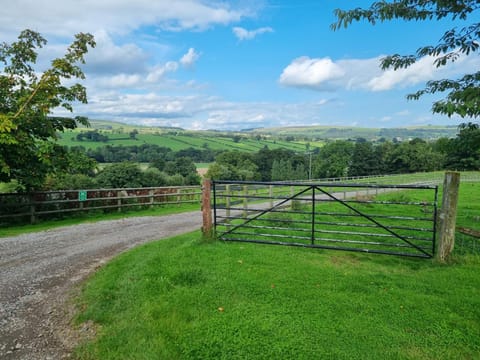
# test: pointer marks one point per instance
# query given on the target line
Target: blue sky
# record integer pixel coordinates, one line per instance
(201, 64)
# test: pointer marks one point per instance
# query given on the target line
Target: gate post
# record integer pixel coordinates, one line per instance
(448, 215)
(207, 209)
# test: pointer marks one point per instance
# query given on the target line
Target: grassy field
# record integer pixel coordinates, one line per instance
(184, 298)
(183, 141)
(310, 137)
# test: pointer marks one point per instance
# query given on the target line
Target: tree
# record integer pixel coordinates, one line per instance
(133, 134)
(365, 160)
(463, 95)
(464, 150)
(121, 175)
(181, 165)
(218, 171)
(27, 131)
(414, 156)
(333, 160)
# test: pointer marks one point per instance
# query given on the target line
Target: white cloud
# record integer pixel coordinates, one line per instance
(323, 74)
(158, 72)
(195, 111)
(64, 17)
(189, 59)
(311, 73)
(421, 71)
(109, 58)
(244, 34)
(120, 81)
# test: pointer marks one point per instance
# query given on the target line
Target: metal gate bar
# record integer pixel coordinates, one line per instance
(266, 219)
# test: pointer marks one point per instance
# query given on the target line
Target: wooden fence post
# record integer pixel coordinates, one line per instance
(448, 215)
(32, 209)
(207, 228)
(227, 204)
(150, 199)
(119, 200)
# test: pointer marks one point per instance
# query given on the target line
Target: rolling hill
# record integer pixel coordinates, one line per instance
(299, 139)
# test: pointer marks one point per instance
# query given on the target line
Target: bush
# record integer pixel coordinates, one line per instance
(193, 179)
(70, 182)
(175, 180)
(154, 177)
(121, 175)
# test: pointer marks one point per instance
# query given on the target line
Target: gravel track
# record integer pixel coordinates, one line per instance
(39, 273)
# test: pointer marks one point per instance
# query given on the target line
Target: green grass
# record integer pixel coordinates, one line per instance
(185, 298)
(181, 141)
(79, 218)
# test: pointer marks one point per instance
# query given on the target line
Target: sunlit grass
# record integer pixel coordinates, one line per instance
(185, 299)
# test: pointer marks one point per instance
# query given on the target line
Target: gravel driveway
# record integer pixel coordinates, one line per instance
(39, 271)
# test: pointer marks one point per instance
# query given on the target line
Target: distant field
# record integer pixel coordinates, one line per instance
(182, 141)
(305, 137)
(342, 132)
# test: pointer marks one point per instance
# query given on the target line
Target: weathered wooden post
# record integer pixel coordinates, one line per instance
(151, 198)
(207, 228)
(119, 200)
(448, 215)
(227, 204)
(32, 209)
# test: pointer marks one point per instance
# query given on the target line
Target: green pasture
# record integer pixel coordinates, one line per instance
(189, 298)
(181, 141)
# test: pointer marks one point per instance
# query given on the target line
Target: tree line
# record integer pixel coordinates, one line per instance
(353, 158)
(76, 170)
(145, 153)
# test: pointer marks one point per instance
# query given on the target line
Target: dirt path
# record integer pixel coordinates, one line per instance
(39, 271)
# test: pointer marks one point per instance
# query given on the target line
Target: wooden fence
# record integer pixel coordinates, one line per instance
(24, 207)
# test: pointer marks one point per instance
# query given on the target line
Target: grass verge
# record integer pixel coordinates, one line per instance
(185, 299)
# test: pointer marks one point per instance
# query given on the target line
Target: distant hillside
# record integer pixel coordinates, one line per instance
(117, 134)
(299, 139)
(343, 133)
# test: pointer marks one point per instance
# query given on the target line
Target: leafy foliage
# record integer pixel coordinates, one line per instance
(463, 95)
(333, 160)
(464, 150)
(27, 132)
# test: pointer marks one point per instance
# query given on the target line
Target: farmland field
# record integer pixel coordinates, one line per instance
(306, 138)
(180, 142)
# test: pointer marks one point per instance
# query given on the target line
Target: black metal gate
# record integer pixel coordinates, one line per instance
(385, 219)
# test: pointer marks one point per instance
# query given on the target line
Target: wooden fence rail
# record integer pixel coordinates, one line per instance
(34, 205)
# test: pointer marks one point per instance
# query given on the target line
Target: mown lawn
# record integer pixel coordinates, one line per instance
(184, 298)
